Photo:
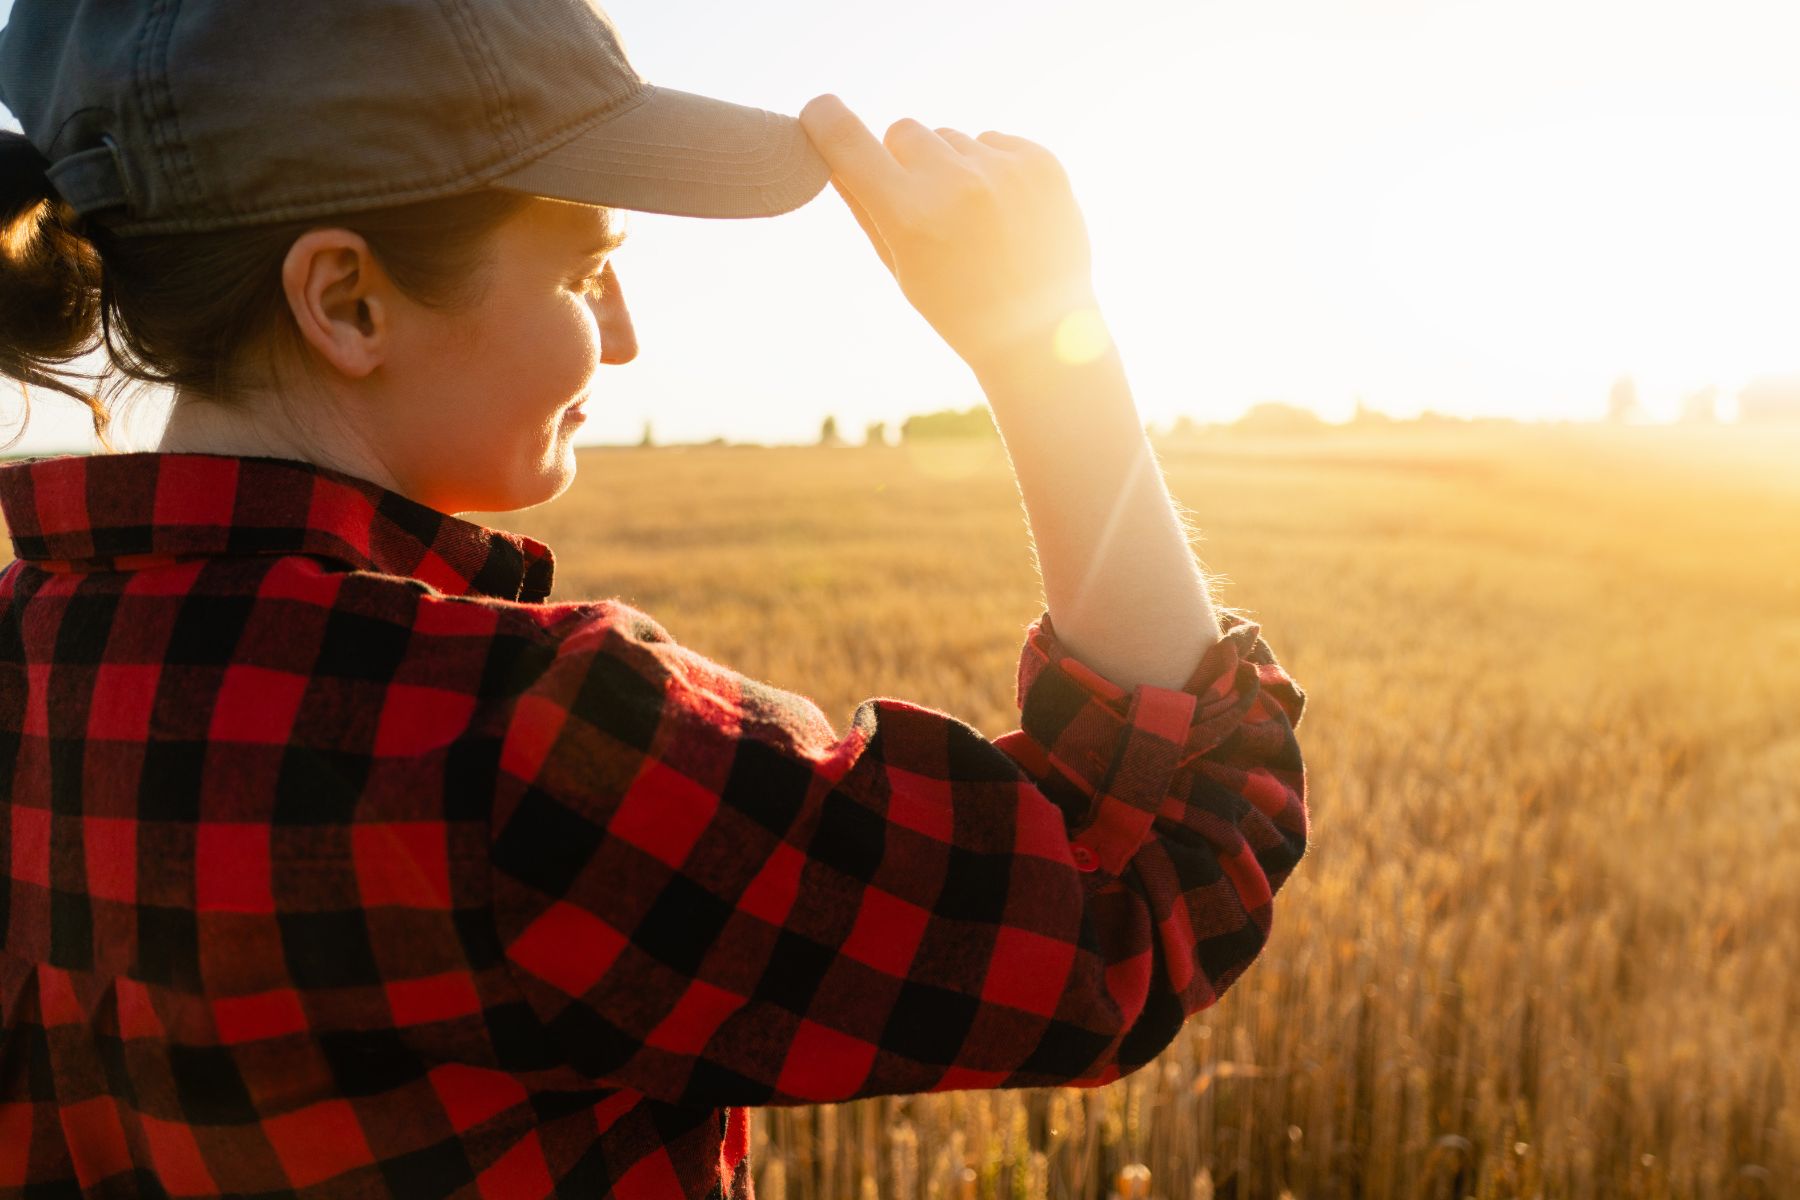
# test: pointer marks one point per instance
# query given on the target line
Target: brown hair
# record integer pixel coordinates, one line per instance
(187, 310)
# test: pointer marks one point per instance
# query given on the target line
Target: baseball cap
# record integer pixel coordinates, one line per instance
(159, 117)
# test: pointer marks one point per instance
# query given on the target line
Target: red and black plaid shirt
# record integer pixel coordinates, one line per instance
(339, 862)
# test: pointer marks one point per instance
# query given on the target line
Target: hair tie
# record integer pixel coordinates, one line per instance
(25, 162)
(24, 177)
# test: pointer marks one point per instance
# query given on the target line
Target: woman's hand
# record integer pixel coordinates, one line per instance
(986, 240)
(983, 234)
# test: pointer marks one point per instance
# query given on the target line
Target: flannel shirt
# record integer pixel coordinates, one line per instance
(338, 861)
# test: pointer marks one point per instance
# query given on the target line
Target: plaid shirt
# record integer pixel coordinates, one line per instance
(340, 862)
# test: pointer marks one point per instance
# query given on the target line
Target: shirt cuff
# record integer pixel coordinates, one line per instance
(1110, 757)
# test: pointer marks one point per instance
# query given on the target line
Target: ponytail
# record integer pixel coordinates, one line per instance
(50, 283)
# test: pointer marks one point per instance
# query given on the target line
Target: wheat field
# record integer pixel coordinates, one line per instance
(1544, 941)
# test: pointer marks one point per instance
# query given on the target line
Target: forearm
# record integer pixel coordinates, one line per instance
(1123, 587)
(986, 240)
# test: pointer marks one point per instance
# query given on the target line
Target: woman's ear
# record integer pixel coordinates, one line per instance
(336, 291)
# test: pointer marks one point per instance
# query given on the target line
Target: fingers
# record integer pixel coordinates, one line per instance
(961, 142)
(1006, 141)
(914, 181)
(916, 147)
(865, 167)
(1032, 156)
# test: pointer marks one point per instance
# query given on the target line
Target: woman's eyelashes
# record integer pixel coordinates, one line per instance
(594, 284)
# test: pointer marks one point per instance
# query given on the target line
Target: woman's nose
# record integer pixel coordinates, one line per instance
(618, 340)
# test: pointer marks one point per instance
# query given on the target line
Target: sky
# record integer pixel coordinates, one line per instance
(1490, 208)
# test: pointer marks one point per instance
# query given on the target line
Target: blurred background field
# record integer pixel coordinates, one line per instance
(1545, 940)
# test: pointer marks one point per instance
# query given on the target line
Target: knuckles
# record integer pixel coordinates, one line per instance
(904, 130)
(1040, 160)
(969, 185)
(955, 198)
(949, 194)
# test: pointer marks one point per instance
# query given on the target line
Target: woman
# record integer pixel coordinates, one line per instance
(340, 860)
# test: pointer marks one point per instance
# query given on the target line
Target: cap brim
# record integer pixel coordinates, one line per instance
(685, 155)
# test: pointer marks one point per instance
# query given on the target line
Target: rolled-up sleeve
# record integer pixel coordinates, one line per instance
(708, 895)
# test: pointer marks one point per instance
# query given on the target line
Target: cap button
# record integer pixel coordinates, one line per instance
(1084, 858)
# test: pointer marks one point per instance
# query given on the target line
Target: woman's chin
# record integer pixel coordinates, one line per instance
(558, 475)
(528, 489)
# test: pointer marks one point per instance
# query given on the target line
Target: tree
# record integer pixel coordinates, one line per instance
(1622, 402)
(1184, 428)
(949, 423)
(1701, 407)
(876, 434)
(828, 433)
(1365, 415)
(649, 439)
(1770, 400)
(1274, 417)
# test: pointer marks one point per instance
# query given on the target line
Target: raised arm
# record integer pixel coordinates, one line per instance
(709, 896)
(986, 240)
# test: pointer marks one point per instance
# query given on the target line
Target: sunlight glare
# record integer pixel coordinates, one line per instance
(1082, 337)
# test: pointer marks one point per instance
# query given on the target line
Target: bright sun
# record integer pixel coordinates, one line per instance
(1457, 211)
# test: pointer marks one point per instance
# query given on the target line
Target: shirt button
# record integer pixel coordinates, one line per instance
(1084, 858)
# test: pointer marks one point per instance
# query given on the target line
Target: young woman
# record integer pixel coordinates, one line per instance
(338, 859)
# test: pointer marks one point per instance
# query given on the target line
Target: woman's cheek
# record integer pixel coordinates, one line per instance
(585, 339)
(549, 360)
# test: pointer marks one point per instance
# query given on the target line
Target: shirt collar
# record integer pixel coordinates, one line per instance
(122, 511)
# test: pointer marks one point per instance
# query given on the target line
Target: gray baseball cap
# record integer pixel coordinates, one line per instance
(164, 117)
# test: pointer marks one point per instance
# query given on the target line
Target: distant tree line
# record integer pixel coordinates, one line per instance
(950, 423)
(1771, 400)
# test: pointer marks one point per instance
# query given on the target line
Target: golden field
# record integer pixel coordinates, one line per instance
(1546, 938)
